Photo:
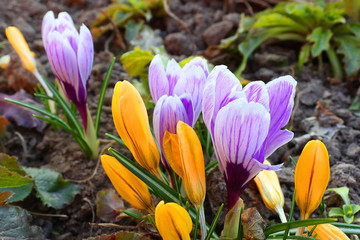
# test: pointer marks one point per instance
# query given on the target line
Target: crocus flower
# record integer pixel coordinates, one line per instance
(130, 187)
(328, 231)
(70, 55)
(270, 190)
(312, 174)
(246, 124)
(173, 221)
(132, 124)
(21, 47)
(177, 93)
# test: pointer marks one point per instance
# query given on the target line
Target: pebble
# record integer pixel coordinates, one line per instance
(178, 43)
(216, 32)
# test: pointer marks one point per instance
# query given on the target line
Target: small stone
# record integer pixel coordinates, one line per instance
(178, 44)
(353, 150)
(216, 32)
(265, 74)
(232, 17)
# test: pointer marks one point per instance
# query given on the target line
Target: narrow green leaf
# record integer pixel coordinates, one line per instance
(102, 96)
(214, 222)
(304, 55)
(294, 224)
(292, 237)
(348, 228)
(116, 139)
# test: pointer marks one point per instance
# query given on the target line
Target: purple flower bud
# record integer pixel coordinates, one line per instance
(71, 56)
(246, 124)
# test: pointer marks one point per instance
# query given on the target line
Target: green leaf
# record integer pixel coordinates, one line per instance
(336, 212)
(348, 228)
(15, 224)
(343, 192)
(349, 219)
(349, 46)
(278, 20)
(120, 236)
(12, 181)
(355, 208)
(11, 164)
(135, 61)
(321, 39)
(304, 55)
(294, 224)
(185, 61)
(51, 188)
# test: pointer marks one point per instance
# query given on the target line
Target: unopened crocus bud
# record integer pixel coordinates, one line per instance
(328, 231)
(185, 156)
(132, 124)
(270, 190)
(130, 187)
(173, 221)
(312, 174)
(21, 47)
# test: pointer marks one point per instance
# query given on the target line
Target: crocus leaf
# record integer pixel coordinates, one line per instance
(343, 192)
(15, 224)
(5, 196)
(321, 39)
(22, 116)
(120, 236)
(348, 228)
(336, 212)
(135, 61)
(51, 188)
(349, 46)
(12, 181)
(108, 205)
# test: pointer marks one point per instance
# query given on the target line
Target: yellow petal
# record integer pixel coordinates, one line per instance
(18, 42)
(192, 159)
(328, 232)
(4, 61)
(131, 122)
(130, 187)
(173, 221)
(312, 174)
(172, 152)
(269, 188)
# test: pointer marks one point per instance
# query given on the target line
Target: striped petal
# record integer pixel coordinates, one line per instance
(158, 82)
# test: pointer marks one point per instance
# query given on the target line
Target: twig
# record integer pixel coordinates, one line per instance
(112, 225)
(23, 144)
(49, 215)
(92, 212)
(176, 18)
(296, 105)
(118, 37)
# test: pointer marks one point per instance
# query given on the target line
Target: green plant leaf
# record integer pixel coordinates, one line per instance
(348, 228)
(348, 219)
(11, 163)
(294, 224)
(343, 192)
(12, 181)
(349, 46)
(15, 224)
(304, 55)
(135, 61)
(355, 208)
(320, 39)
(51, 188)
(278, 20)
(121, 236)
(336, 212)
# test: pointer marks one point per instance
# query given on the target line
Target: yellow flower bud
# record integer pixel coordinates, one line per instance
(173, 221)
(130, 187)
(312, 174)
(185, 156)
(4, 61)
(328, 232)
(18, 42)
(132, 124)
(270, 191)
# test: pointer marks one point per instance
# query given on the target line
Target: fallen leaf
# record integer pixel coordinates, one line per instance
(120, 236)
(5, 196)
(253, 224)
(108, 205)
(20, 115)
(325, 117)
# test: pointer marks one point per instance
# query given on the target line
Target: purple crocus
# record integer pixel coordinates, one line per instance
(246, 124)
(70, 55)
(177, 93)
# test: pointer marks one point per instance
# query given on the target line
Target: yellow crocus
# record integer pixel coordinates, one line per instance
(312, 174)
(173, 221)
(18, 42)
(130, 187)
(185, 156)
(270, 191)
(328, 232)
(132, 124)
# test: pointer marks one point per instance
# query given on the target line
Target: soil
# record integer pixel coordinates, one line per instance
(321, 109)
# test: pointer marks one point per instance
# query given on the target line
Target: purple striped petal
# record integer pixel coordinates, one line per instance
(198, 61)
(85, 55)
(47, 24)
(173, 73)
(168, 111)
(192, 81)
(281, 94)
(158, 82)
(257, 92)
(221, 87)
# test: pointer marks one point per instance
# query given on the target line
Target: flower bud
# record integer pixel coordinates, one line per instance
(328, 231)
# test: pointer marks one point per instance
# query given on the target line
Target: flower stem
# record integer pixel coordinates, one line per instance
(202, 222)
(47, 90)
(90, 136)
